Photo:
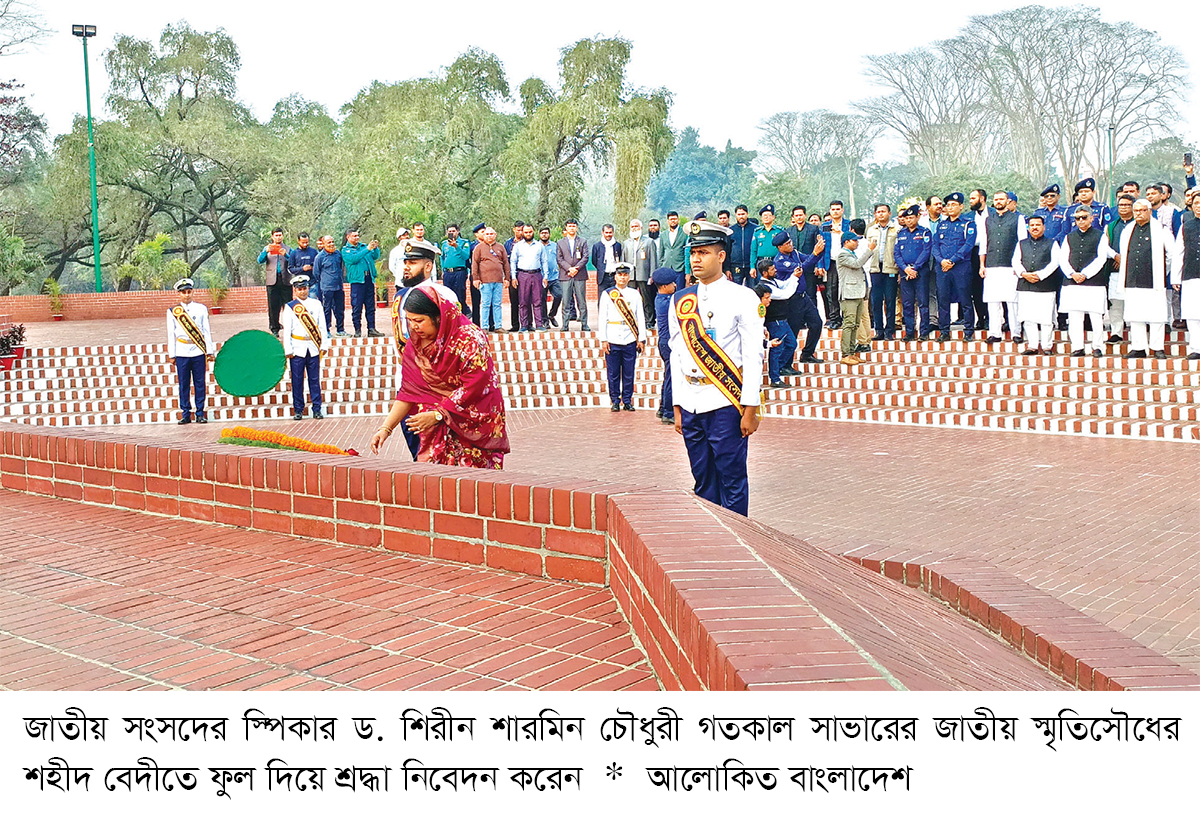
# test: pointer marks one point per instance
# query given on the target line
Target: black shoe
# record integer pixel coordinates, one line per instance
(373, 333)
(297, 417)
(629, 408)
(669, 420)
(1179, 324)
(1136, 353)
(553, 322)
(968, 336)
(358, 333)
(958, 322)
(877, 337)
(1031, 352)
(1115, 339)
(810, 359)
(616, 408)
(1018, 339)
(1193, 356)
(789, 371)
(944, 337)
(202, 419)
(187, 419)
(774, 384)
(863, 347)
(1158, 353)
(994, 340)
(318, 415)
(909, 338)
(1078, 353)
(1097, 353)
(585, 329)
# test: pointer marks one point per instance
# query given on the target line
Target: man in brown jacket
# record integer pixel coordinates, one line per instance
(489, 274)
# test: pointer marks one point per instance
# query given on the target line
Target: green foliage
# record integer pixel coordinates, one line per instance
(1159, 161)
(966, 180)
(54, 292)
(698, 177)
(150, 267)
(215, 282)
(16, 265)
(13, 337)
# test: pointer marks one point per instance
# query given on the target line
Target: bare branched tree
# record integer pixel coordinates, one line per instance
(938, 103)
(800, 142)
(1061, 77)
(20, 26)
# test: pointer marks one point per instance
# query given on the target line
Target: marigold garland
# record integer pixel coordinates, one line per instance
(248, 437)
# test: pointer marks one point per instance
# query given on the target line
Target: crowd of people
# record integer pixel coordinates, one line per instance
(727, 299)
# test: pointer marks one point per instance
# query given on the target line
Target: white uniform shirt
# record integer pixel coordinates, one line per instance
(613, 328)
(731, 311)
(179, 343)
(295, 336)
(396, 262)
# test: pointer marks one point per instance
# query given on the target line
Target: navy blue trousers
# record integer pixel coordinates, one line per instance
(362, 298)
(333, 301)
(310, 366)
(191, 375)
(666, 404)
(413, 440)
(621, 361)
(456, 280)
(781, 356)
(954, 286)
(803, 314)
(883, 304)
(717, 452)
(916, 290)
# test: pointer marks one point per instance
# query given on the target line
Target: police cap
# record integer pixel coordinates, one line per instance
(780, 238)
(702, 232)
(765, 208)
(419, 249)
(957, 196)
(664, 277)
(911, 210)
(1055, 189)
(1088, 183)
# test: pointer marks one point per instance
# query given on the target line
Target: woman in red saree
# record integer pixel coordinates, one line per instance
(449, 390)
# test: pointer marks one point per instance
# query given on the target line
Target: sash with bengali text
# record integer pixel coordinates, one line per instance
(308, 322)
(190, 327)
(710, 357)
(630, 318)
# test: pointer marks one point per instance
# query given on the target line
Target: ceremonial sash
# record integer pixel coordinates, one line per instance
(193, 331)
(630, 318)
(308, 322)
(397, 327)
(710, 357)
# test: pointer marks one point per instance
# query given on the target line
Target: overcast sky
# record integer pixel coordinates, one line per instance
(711, 55)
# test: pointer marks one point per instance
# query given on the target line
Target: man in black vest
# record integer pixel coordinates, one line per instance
(1035, 262)
(1187, 273)
(1004, 228)
(1085, 285)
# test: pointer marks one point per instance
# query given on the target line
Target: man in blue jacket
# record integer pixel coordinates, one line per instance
(328, 271)
(739, 246)
(952, 247)
(832, 232)
(359, 261)
(300, 264)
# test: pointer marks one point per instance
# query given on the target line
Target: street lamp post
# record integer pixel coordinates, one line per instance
(83, 33)
(1112, 163)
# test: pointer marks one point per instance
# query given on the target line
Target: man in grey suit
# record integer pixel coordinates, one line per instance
(640, 251)
(572, 255)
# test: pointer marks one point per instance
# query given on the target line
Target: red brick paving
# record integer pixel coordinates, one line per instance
(97, 598)
(1109, 527)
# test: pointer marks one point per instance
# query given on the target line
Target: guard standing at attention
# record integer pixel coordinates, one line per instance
(189, 345)
(717, 351)
(952, 247)
(912, 251)
(305, 340)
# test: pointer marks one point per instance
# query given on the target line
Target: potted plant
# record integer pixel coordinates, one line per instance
(54, 290)
(381, 291)
(12, 342)
(218, 289)
(7, 358)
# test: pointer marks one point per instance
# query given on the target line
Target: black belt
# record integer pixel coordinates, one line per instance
(452, 270)
(529, 271)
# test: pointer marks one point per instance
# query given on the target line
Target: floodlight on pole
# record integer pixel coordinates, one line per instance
(83, 33)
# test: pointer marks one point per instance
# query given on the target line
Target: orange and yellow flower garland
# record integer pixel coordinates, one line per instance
(280, 441)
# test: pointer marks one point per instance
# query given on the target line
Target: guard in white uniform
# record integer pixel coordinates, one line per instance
(190, 346)
(418, 269)
(622, 336)
(305, 339)
(717, 351)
